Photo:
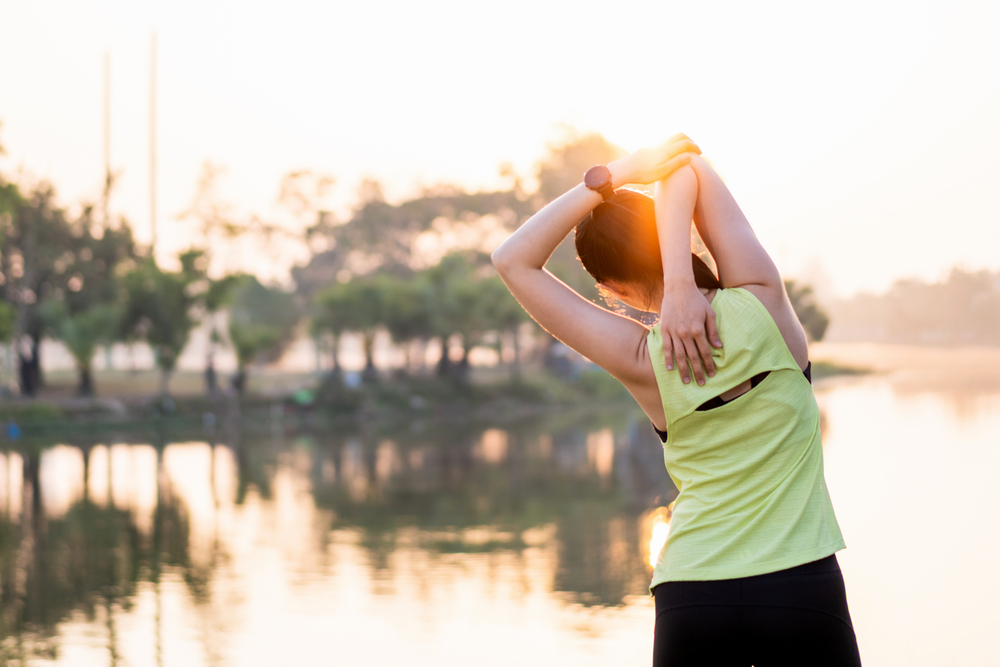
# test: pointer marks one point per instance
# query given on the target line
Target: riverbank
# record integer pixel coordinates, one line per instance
(292, 401)
(128, 399)
(968, 370)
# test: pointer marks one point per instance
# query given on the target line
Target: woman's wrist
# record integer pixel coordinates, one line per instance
(619, 173)
(678, 280)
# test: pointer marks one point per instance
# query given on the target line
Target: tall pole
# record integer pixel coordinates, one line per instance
(105, 204)
(107, 137)
(152, 146)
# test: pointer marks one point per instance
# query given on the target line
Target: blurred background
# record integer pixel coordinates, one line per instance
(264, 399)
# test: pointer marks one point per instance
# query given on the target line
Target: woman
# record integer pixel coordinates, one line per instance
(748, 575)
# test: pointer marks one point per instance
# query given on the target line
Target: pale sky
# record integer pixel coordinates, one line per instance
(861, 138)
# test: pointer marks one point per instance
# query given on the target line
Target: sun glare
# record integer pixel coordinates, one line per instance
(657, 526)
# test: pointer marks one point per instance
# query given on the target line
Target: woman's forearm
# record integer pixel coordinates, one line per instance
(675, 201)
(687, 321)
(738, 254)
(531, 245)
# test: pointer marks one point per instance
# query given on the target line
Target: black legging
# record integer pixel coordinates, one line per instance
(796, 617)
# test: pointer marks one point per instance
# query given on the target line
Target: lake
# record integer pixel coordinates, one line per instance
(481, 544)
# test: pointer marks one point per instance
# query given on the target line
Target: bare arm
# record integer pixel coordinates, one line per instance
(687, 320)
(611, 341)
(741, 259)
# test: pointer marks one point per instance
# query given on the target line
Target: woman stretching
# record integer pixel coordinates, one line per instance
(748, 574)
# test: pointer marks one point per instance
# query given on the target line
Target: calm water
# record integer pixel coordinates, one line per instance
(526, 545)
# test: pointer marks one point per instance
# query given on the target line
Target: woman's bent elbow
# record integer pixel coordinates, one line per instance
(500, 259)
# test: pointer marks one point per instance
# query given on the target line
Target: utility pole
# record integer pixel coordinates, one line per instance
(107, 138)
(105, 204)
(152, 146)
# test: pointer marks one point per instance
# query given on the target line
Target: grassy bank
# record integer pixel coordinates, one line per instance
(128, 401)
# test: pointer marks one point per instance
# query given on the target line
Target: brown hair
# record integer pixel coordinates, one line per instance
(618, 242)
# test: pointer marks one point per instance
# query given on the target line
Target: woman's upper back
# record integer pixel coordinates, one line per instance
(753, 344)
(750, 473)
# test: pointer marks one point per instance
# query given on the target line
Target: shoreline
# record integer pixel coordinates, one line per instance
(301, 401)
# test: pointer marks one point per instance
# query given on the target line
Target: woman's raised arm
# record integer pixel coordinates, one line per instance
(741, 259)
(609, 340)
(687, 321)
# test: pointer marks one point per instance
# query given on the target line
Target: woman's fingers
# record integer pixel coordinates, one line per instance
(694, 361)
(705, 354)
(672, 165)
(668, 352)
(680, 136)
(673, 150)
(713, 330)
(680, 354)
(683, 145)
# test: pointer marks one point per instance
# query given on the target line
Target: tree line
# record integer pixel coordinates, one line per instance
(961, 309)
(75, 276)
(88, 285)
(417, 270)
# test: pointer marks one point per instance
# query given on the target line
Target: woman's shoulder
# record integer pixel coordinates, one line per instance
(773, 310)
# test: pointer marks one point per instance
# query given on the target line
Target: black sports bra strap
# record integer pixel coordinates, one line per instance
(718, 401)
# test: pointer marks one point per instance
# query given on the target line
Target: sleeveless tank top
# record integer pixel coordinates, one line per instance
(752, 495)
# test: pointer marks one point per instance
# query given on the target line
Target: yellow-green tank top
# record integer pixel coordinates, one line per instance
(750, 473)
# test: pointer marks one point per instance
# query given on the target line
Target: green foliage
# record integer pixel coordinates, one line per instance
(218, 293)
(459, 296)
(501, 311)
(409, 309)
(46, 255)
(261, 321)
(7, 318)
(813, 318)
(158, 310)
(330, 310)
(82, 332)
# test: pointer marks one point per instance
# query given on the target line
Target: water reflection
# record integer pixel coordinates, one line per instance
(533, 540)
(95, 537)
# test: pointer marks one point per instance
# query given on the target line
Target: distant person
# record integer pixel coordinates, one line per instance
(748, 574)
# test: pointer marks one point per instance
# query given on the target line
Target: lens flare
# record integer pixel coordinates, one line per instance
(656, 525)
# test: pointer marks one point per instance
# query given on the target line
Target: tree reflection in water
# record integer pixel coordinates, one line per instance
(89, 560)
(574, 489)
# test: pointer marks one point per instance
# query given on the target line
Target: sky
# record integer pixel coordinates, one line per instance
(860, 137)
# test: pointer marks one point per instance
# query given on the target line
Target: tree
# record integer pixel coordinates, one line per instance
(409, 311)
(45, 255)
(813, 318)
(214, 298)
(505, 315)
(384, 237)
(158, 309)
(366, 307)
(261, 323)
(81, 333)
(330, 314)
(460, 306)
(7, 318)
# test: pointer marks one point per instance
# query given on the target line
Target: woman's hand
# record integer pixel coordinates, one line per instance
(687, 324)
(648, 165)
(687, 321)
